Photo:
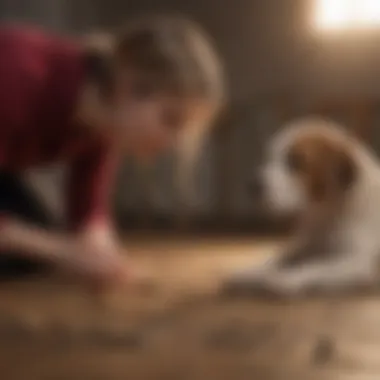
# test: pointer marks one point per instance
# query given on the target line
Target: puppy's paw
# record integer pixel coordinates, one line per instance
(285, 286)
(272, 285)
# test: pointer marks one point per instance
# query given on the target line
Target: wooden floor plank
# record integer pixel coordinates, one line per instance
(182, 329)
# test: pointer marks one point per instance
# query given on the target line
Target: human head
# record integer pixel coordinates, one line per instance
(157, 77)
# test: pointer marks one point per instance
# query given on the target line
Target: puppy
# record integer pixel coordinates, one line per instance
(318, 170)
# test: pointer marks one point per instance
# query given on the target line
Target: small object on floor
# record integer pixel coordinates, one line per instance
(323, 351)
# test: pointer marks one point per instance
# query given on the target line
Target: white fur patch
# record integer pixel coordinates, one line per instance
(355, 249)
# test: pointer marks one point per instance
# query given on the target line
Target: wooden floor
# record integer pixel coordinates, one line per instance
(180, 329)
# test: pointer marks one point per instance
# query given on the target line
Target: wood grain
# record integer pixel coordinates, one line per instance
(50, 329)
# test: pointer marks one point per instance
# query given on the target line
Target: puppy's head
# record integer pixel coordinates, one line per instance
(309, 162)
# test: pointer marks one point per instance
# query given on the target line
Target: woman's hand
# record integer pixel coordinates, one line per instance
(96, 257)
(93, 255)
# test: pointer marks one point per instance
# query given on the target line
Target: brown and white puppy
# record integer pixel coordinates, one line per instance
(318, 170)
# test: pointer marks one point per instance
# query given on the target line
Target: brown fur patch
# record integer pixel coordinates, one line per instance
(325, 166)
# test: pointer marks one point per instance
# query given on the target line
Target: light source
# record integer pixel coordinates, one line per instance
(347, 14)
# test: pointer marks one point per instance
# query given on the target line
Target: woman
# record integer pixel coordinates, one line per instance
(87, 104)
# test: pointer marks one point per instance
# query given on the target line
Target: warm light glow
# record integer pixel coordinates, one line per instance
(347, 14)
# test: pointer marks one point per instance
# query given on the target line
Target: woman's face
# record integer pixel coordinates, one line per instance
(145, 123)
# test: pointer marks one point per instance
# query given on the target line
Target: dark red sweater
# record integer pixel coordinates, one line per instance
(40, 78)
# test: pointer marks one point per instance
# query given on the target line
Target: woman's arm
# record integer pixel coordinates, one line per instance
(25, 239)
(89, 186)
(77, 255)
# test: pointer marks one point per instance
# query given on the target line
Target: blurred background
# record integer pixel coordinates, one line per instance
(283, 58)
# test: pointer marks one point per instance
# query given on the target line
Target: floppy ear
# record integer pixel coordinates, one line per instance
(333, 174)
(345, 170)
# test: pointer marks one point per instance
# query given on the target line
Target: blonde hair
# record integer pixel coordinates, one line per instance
(175, 56)
(178, 57)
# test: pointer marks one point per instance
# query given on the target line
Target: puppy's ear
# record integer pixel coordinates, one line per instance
(331, 171)
(337, 173)
(345, 170)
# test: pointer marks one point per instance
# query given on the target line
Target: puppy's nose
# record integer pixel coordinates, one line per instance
(255, 187)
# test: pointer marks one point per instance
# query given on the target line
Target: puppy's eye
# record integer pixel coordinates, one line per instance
(294, 161)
